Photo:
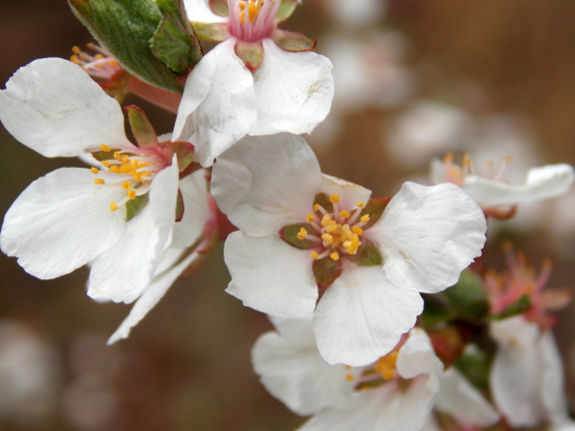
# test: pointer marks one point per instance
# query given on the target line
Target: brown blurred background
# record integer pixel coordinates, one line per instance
(187, 365)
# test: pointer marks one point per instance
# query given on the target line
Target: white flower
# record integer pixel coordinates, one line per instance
(493, 194)
(526, 378)
(300, 230)
(73, 216)
(192, 238)
(224, 100)
(393, 394)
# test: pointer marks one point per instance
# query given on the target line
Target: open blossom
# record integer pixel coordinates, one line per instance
(120, 216)
(493, 194)
(302, 233)
(395, 393)
(253, 83)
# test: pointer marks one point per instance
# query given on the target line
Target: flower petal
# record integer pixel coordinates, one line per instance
(542, 183)
(362, 315)
(199, 11)
(349, 193)
(296, 374)
(552, 378)
(60, 222)
(270, 275)
(417, 357)
(428, 235)
(124, 271)
(55, 108)
(168, 271)
(265, 183)
(462, 401)
(293, 91)
(218, 106)
(196, 210)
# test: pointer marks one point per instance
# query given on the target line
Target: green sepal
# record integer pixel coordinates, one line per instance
(141, 128)
(292, 42)
(219, 7)
(104, 155)
(367, 255)
(212, 32)
(251, 54)
(468, 297)
(375, 208)
(184, 151)
(326, 271)
(289, 234)
(179, 206)
(134, 206)
(285, 10)
(124, 28)
(323, 200)
(474, 364)
(174, 42)
(520, 306)
(116, 85)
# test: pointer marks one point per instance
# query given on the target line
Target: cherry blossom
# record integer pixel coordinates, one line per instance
(394, 393)
(256, 82)
(302, 233)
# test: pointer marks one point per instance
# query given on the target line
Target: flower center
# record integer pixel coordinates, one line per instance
(336, 233)
(131, 171)
(455, 173)
(101, 65)
(252, 20)
(375, 375)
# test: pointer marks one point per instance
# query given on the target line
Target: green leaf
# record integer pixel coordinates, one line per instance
(179, 206)
(174, 41)
(286, 8)
(292, 42)
(326, 271)
(474, 364)
(367, 255)
(141, 127)
(125, 27)
(468, 297)
(323, 200)
(104, 155)
(436, 310)
(289, 234)
(134, 206)
(214, 31)
(374, 208)
(251, 54)
(520, 306)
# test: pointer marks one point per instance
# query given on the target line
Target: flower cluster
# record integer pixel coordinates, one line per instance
(383, 307)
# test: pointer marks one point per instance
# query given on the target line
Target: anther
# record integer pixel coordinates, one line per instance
(334, 199)
(364, 218)
(105, 148)
(314, 255)
(99, 181)
(113, 206)
(94, 170)
(349, 377)
(301, 234)
(126, 185)
(334, 256)
(75, 50)
(360, 204)
(310, 218)
(106, 164)
(449, 158)
(132, 194)
(316, 207)
(357, 230)
(344, 214)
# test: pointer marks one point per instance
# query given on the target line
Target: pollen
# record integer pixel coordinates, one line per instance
(344, 214)
(365, 218)
(113, 206)
(360, 204)
(105, 148)
(316, 207)
(106, 164)
(314, 255)
(99, 181)
(310, 218)
(334, 199)
(334, 255)
(357, 230)
(386, 366)
(349, 377)
(75, 50)
(126, 185)
(132, 194)
(94, 170)
(302, 234)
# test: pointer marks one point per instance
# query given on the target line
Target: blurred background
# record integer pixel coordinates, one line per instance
(414, 80)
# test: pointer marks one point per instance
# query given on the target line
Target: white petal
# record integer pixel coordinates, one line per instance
(60, 222)
(552, 378)
(417, 357)
(296, 332)
(297, 375)
(270, 275)
(124, 271)
(264, 183)
(218, 106)
(55, 108)
(199, 11)
(157, 288)
(362, 315)
(349, 193)
(515, 373)
(428, 235)
(293, 91)
(542, 183)
(461, 400)
(568, 425)
(196, 210)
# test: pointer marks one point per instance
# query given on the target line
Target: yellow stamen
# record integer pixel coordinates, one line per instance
(105, 148)
(126, 185)
(106, 164)
(99, 181)
(365, 218)
(334, 255)
(243, 16)
(94, 170)
(334, 199)
(113, 206)
(360, 204)
(126, 168)
(449, 158)
(115, 169)
(253, 11)
(74, 59)
(90, 45)
(316, 207)
(357, 230)
(327, 238)
(302, 234)
(98, 56)
(310, 218)
(242, 5)
(124, 158)
(132, 194)
(344, 214)
(349, 377)
(75, 50)
(314, 255)
(117, 155)
(386, 366)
